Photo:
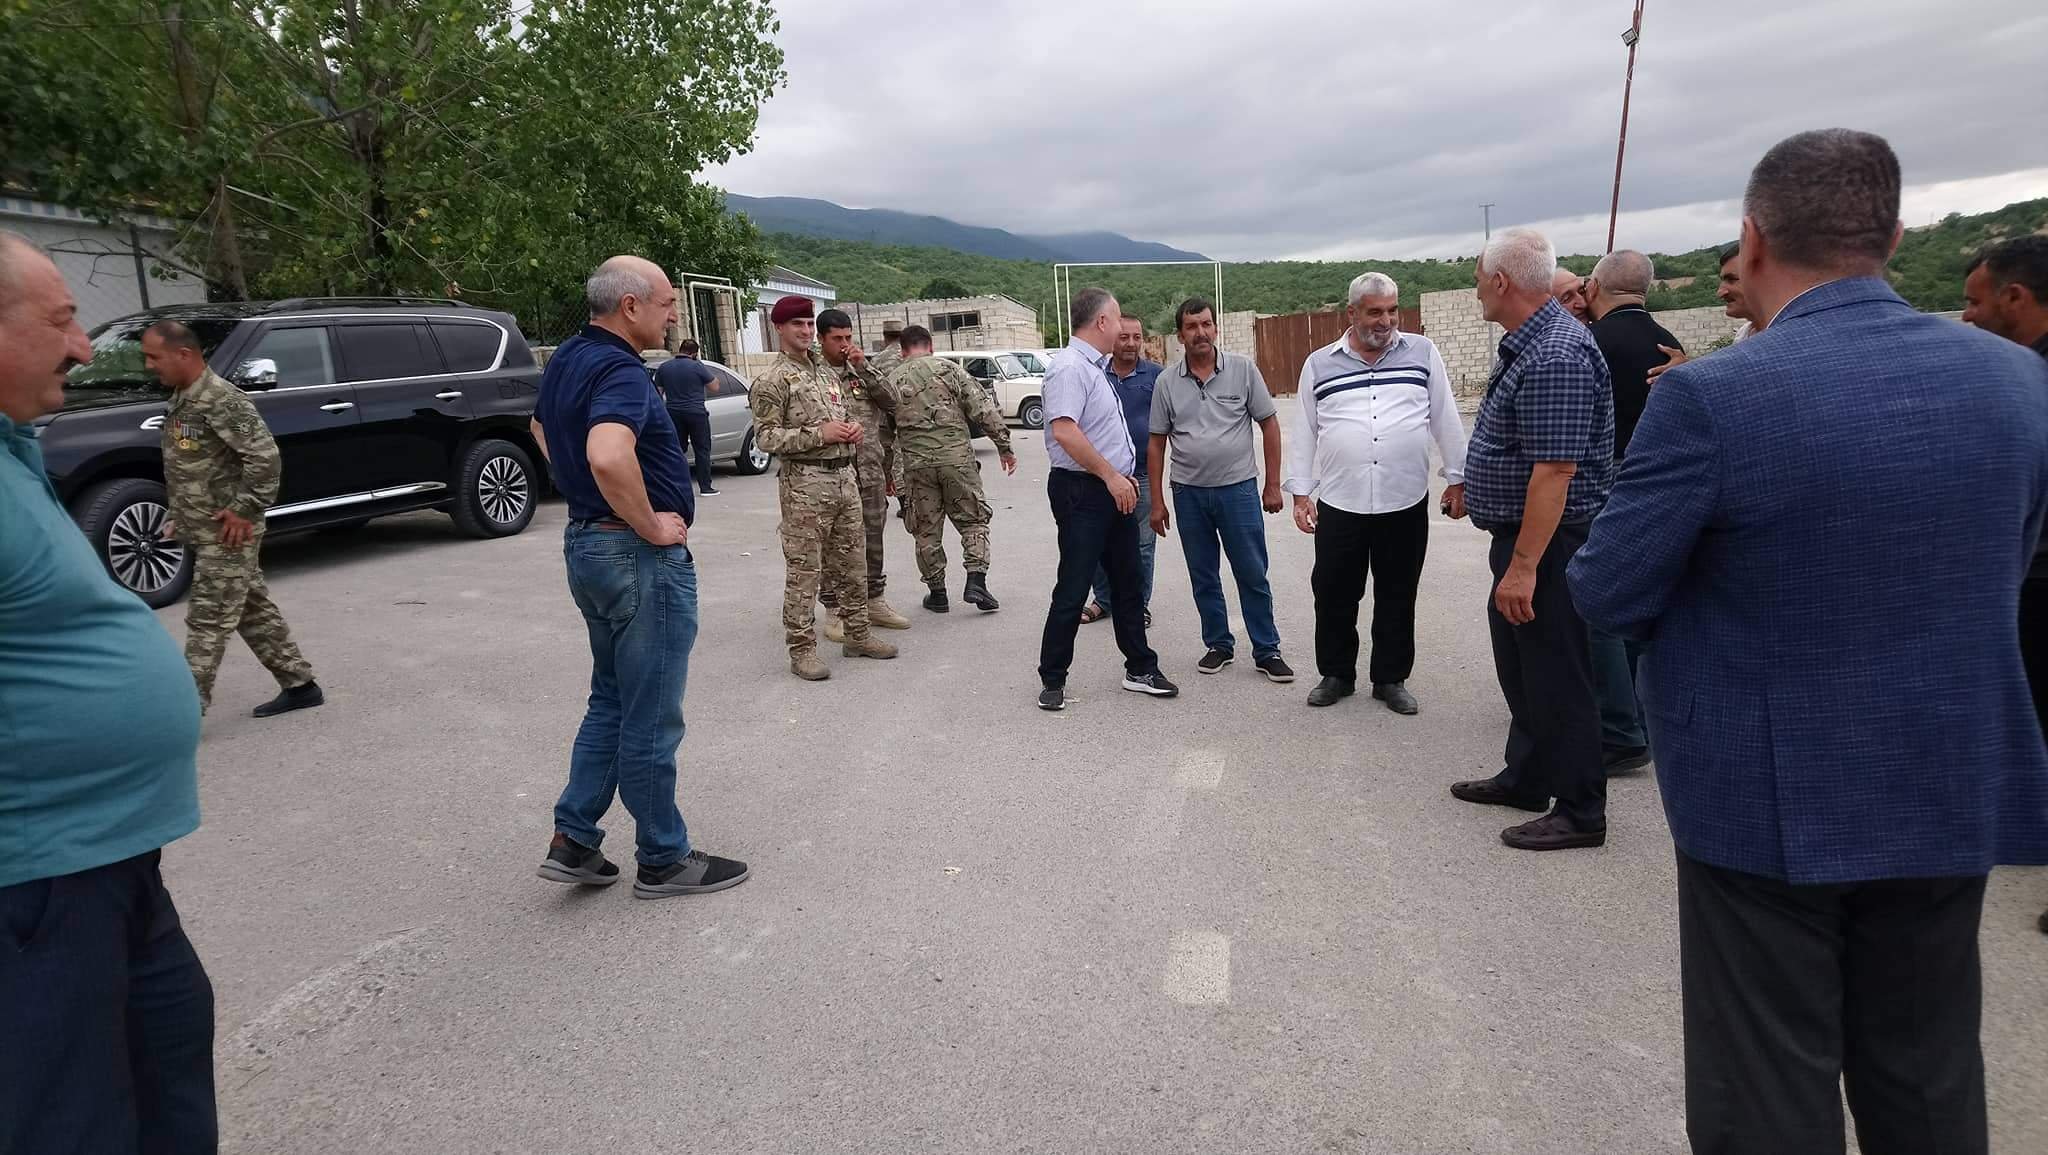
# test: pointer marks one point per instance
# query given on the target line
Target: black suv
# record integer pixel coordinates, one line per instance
(379, 406)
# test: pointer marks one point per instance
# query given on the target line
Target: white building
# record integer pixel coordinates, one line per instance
(111, 268)
(757, 335)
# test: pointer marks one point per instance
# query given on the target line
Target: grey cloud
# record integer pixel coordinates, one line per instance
(1295, 127)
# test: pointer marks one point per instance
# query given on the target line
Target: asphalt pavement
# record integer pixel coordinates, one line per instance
(1224, 922)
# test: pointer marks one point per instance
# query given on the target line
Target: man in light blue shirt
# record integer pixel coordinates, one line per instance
(1094, 501)
(105, 1009)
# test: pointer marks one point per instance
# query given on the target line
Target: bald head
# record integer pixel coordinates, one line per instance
(632, 297)
(1621, 278)
(40, 339)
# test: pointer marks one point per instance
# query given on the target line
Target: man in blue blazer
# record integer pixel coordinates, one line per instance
(1820, 533)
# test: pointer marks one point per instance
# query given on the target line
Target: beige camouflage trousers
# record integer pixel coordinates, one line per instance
(939, 493)
(822, 530)
(229, 597)
(873, 477)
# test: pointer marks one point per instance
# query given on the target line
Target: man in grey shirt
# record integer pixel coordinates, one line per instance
(1203, 406)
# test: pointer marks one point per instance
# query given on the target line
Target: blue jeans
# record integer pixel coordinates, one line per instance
(1614, 685)
(1228, 516)
(1148, 544)
(639, 603)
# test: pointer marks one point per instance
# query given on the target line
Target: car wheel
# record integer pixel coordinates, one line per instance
(753, 459)
(124, 520)
(497, 490)
(1032, 413)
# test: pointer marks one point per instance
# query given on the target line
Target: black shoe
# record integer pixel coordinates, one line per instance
(297, 698)
(1397, 698)
(707, 493)
(575, 864)
(1052, 698)
(1275, 668)
(694, 873)
(976, 594)
(1552, 832)
(1214, 661)
(1329, 690)
(1487, 792)
(1621, 759)
(2044, 922)
(1154, 683)
(937, 602)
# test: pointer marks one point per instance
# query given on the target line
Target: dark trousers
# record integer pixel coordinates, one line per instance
(1390, 547)
(2034, 641)
(1092, 533)
(106, 1017)
(1546, 674)
(1795, 993)
(694, 431)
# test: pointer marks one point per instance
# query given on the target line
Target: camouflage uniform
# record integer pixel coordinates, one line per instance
(869, 401)
(820, 492)
(884, 362)
(219, 455)
(935, 400)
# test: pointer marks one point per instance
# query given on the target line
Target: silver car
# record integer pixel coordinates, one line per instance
(732, 422)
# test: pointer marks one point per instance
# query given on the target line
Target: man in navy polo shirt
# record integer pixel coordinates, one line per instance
(614, 454)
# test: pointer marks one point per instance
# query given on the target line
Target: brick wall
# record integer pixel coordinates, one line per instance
(1235, 333)
(1469, 341)
(1699, 329)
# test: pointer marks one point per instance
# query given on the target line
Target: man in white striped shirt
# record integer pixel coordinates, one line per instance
(1358, 467)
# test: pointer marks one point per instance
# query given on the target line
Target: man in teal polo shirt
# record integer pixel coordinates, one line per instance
(106, 1013)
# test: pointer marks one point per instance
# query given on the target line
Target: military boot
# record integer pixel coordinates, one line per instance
(936, 602)
(868, 648)
(805, 664)
(884, 615)
(835, 630)
(976, 594)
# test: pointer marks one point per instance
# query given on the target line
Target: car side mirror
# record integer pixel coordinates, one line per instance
(257, 373)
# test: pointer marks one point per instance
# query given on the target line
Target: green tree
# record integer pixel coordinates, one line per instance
(940, 288)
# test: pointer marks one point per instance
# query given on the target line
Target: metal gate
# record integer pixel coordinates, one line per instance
(1285, 342)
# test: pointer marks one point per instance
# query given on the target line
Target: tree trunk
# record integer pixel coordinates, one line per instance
(226, 247)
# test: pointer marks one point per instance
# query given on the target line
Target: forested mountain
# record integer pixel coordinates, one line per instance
(803, 216)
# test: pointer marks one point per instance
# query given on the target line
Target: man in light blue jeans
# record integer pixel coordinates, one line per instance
(1203, 406)
(613, 451)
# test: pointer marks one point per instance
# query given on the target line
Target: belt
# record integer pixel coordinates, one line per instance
(600, 522)
(835, 463)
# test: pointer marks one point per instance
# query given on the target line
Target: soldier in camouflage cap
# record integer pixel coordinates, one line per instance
(221, 470)
(868, 401)
(936, 401)
(800, 416)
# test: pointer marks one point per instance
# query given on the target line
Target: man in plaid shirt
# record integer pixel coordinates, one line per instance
(1539, 466)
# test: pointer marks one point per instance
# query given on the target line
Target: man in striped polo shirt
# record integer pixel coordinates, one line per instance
(1358, 467)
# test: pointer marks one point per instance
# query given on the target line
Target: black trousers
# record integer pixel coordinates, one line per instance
(1545, 669)
(1349, 546)
(693, 429)
(2034, 640)
(106, 1017)
(1092, 533)
(1795, 993)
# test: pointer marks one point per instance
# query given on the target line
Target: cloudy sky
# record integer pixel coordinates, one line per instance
(1285, 128)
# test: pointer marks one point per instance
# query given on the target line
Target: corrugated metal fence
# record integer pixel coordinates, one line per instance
(1285, 342)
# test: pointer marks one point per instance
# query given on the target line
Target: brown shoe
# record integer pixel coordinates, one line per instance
(1487, 792)
(868, 648)
(835, 630)
(1552, 832)
(806, 665)
(884, 616)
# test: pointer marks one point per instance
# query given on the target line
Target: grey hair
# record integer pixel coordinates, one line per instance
(614, 281)
(1827, 199)
(1625, 273)
(1524, 256)
(1088, 305)
(1371, 285)
(12, 246)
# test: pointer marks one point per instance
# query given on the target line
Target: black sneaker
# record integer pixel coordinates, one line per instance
(297, 698)
(1275, 668)
(707, 493)
(1052, 698)
(572, 863)
(1214, 661)
(1622, 759)
(1154, 683)
(694, 873)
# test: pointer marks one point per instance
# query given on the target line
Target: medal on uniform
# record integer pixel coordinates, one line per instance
(186, 443)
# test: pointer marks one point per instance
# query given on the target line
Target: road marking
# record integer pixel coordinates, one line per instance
(1198, 969)
(327, 1000)
(1200, 769)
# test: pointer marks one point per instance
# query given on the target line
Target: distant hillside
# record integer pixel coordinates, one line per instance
(803, 216)
(1928, 271)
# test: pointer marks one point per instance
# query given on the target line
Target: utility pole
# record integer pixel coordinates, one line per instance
(1632, 37)
(1487, 208)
